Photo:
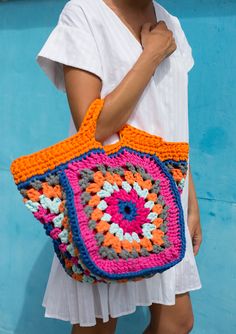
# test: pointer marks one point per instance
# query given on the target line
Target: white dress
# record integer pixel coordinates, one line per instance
(90, 36)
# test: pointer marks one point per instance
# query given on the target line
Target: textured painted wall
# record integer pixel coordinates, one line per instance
(30, 105)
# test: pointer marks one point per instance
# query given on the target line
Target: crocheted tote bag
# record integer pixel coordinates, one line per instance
(113, 212)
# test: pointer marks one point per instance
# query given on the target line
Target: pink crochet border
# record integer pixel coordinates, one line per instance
(125, 265)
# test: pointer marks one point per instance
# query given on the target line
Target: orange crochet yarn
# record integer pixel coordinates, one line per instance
(67, 149)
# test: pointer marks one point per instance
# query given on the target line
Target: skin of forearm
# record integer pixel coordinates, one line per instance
(192, 197)
(120, 103)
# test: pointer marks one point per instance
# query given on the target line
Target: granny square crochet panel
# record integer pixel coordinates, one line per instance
(113, 212)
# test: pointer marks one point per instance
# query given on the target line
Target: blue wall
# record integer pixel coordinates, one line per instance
(30, 104)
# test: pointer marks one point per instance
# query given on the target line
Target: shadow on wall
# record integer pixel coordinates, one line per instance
(37, 18)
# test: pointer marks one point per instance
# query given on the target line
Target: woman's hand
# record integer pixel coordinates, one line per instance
(157, 40)
(194, 216)
(82, 87)
(195, 230)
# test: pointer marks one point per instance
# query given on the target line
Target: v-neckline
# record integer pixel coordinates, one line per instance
(121, 22)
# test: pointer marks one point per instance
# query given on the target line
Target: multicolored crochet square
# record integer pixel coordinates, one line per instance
(114, 213)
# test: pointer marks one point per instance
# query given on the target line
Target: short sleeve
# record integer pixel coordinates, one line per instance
(185, 48)
(182, 42)
(72, 43)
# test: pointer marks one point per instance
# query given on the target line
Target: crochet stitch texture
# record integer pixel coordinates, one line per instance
(113, 212)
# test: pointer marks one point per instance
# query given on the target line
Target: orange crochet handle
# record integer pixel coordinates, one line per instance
(49, 158)
(84, 140)
(132, 137)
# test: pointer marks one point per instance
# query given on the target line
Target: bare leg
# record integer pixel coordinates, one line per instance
(101, 327)
(172, 319)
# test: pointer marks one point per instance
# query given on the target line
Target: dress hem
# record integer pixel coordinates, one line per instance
(105, 319)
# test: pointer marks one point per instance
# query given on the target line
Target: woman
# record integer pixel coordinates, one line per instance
(134, 54)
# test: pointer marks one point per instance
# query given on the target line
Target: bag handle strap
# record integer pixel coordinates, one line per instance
(88, 126)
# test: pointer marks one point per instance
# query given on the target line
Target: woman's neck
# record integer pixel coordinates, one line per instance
(132, 4)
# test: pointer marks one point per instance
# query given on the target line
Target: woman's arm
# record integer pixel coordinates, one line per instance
(192, 196)
(83, 87)
(194, 216)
